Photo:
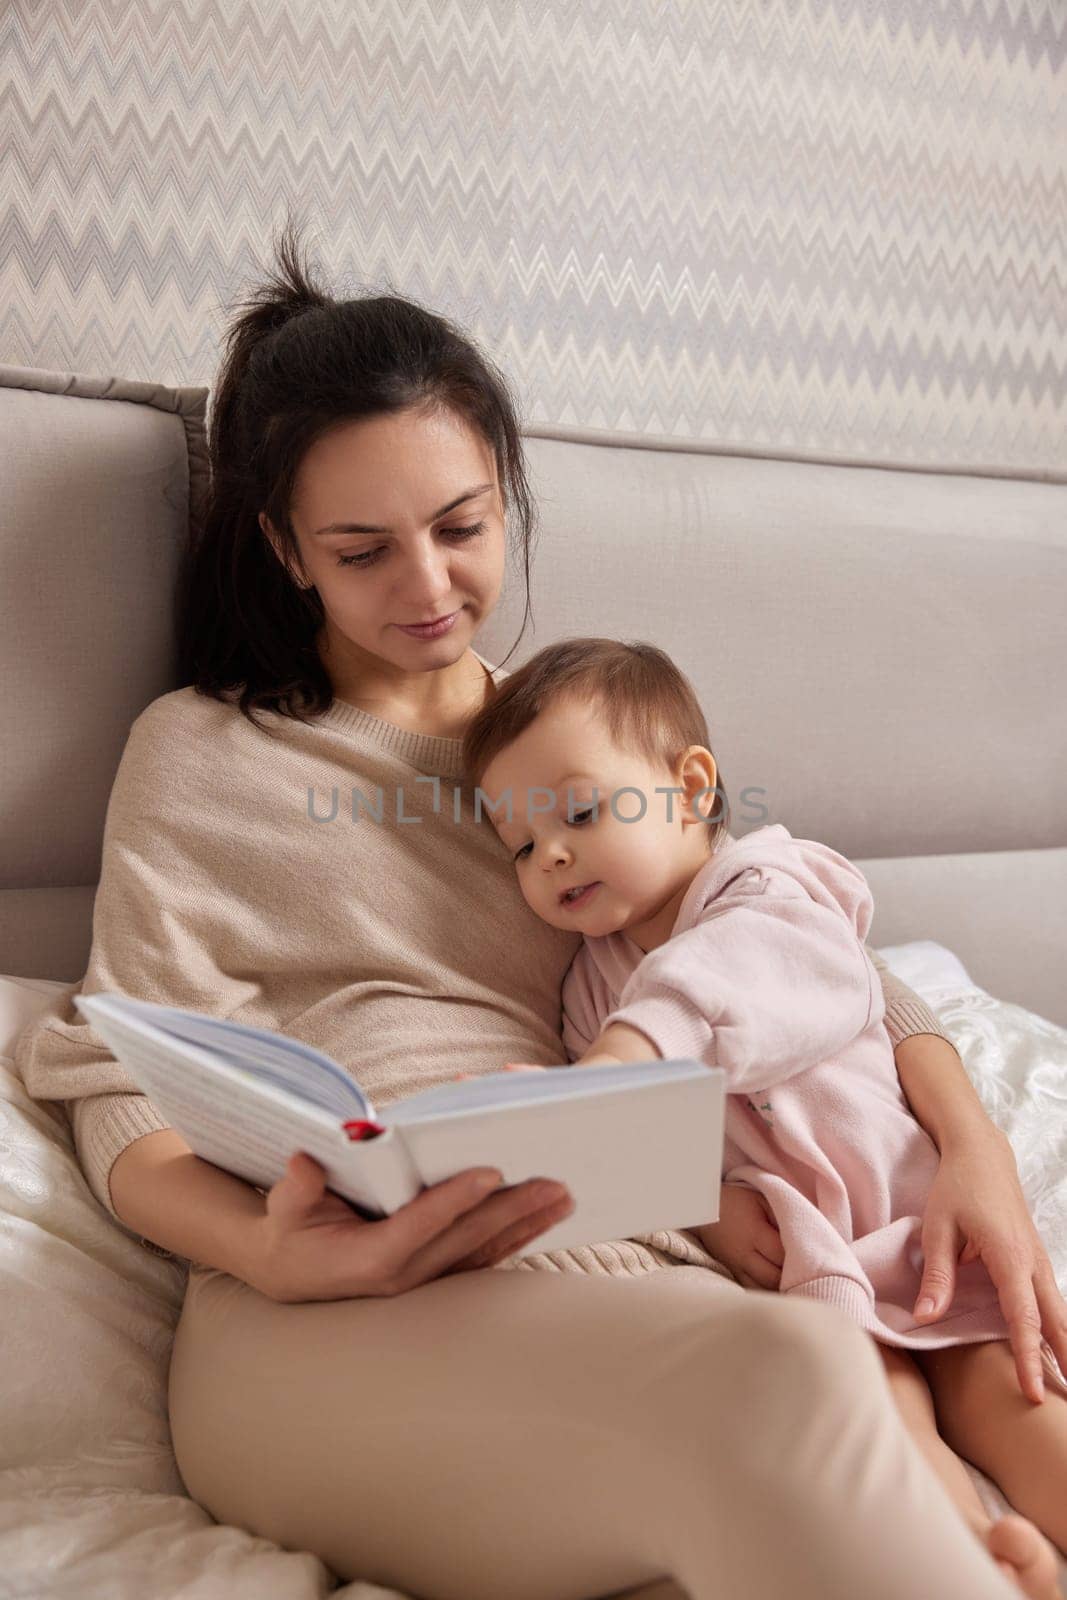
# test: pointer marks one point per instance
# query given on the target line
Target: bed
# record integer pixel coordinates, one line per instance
(878, 652)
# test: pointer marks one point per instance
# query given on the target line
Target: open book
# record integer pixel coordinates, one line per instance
(638, 1146)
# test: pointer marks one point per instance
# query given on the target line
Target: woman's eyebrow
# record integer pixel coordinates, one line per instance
(371, 527)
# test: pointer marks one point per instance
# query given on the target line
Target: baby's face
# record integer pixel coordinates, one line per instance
(627, 870)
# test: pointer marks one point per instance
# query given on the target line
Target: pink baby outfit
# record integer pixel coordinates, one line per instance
(765, 975)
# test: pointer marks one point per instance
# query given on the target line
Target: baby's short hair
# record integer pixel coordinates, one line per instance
(648, 705)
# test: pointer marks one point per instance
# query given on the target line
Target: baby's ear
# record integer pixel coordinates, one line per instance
(698, 775)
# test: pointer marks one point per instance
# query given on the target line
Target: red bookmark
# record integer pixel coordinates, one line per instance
(363, 1130)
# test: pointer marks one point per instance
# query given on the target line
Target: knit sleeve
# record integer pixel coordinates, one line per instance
(150, 921)
(905, 1014)
(766, 984)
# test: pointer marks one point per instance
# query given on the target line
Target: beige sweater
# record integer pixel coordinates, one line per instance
(235, 881)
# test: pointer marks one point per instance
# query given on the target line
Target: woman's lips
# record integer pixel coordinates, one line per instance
(580, 899)
(430, 630)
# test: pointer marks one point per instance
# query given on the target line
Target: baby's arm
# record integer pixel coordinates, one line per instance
(766, 985)
(616, 1043)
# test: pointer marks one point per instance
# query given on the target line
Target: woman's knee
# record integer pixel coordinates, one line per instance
(826, 1342)
(815, 1341)
(789, 1360)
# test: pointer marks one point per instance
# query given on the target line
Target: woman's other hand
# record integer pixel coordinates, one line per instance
(745, 1238)
(976, 1211)
(312, 1245)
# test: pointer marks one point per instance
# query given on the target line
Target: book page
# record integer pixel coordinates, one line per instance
(237, 1120)
(272, 1057)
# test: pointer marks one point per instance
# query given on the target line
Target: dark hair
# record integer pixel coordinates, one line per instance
(299, 363)
(647, 703)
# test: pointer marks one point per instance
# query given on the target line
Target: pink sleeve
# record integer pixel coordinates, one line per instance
(585, 999)
(767, 984)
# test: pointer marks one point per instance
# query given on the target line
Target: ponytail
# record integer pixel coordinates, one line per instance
(288, 291)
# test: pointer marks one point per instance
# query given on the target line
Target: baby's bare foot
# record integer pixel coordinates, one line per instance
(1023, 1552)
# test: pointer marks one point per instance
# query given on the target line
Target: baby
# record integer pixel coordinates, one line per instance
(594, 764)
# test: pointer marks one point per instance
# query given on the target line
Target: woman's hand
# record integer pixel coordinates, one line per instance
(745, 1238)
(976, 1205)
(312, 1245)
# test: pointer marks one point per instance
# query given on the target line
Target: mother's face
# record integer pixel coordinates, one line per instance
(400, 519)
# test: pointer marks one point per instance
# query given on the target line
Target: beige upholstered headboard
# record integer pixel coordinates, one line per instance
(882, 655)
(95, 480)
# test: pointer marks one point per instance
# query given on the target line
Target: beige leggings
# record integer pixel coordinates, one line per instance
(559, 1436)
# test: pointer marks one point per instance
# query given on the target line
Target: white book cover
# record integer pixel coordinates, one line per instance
(639, 1146)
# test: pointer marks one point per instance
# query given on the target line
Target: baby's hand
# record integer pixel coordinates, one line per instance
(745, 1238)
(510, 1066)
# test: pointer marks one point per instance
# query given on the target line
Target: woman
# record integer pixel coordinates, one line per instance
(571, 1424)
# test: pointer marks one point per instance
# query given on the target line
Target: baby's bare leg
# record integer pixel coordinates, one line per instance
(916, 1405)
(983, 1414)
(1014, 1543)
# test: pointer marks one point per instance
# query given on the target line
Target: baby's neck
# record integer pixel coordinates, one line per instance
(656, 929)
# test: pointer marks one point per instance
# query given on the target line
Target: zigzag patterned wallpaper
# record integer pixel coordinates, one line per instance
(828, 227)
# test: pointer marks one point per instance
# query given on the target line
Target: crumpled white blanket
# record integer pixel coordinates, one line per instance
(92, 1506)
(91, 1502)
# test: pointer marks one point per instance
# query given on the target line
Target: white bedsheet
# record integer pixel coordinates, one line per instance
(91, 1503)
